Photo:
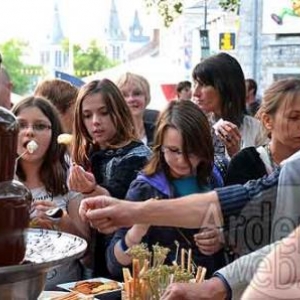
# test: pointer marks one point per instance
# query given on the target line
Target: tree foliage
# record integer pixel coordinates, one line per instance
(89, 60)
(170, 9)
(12, 53)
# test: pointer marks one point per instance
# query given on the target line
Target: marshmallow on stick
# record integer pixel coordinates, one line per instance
(65, 138)
(32, 146)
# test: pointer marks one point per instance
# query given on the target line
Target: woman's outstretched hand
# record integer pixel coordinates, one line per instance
(107, 214)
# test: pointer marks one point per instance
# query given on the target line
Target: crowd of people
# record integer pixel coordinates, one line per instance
(222, 163)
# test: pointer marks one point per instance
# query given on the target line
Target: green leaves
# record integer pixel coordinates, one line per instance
(169, 10)
(13, 52)
(229, 5)
(90, 59)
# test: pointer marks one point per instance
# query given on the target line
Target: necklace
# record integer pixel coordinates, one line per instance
(273, 164)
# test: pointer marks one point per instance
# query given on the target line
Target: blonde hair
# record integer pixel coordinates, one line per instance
(138, 81)
(283, 92)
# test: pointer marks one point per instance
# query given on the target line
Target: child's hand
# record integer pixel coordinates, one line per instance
(209, 240)
(44, 223)
(40, 207)
(80, 180)
(139, 230)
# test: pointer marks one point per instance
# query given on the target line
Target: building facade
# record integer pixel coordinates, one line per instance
(268, 51)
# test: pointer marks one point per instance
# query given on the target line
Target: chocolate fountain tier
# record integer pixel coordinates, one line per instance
(45, 249)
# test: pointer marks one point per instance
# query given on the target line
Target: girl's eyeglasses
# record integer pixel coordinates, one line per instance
(35, 127)
(173, 152)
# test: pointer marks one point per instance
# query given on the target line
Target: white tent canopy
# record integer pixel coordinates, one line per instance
(156, 70)
(15, 98)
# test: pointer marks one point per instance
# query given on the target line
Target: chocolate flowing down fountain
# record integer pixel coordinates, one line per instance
(26, 255)
(15, 198)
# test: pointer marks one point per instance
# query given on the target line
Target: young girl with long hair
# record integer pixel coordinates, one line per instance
(182, 164)
(44, 172)
(106, 151)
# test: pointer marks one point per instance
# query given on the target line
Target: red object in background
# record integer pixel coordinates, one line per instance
(169, 91)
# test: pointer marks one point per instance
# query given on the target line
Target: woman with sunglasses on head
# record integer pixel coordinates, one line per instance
(106, 151)
(182, 164)
(44, 169)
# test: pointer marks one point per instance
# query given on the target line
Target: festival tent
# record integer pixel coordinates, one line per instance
(15, 98)
(160, 72)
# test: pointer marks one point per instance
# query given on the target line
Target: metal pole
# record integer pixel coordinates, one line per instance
(205, 14)
(254, 40)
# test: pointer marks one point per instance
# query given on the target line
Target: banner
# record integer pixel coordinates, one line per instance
(227, 41)
(281, 17)
(70, 78)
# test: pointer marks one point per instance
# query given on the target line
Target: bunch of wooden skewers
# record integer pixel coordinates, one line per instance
(149, 281)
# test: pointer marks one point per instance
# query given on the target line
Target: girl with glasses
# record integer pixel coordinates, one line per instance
(182, 164)
(44, 171)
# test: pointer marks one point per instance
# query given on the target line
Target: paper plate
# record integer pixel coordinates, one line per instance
(47, 295)
(110, 294)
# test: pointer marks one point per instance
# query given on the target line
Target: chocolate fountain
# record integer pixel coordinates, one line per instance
(25, 254)
(15, 198)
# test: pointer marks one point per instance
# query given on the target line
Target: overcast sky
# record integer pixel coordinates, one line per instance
(82, 20)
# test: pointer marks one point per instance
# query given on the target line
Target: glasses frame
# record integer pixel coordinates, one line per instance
(39, 127)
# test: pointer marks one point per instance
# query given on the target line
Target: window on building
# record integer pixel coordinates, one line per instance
(58, 59)
(285, 75)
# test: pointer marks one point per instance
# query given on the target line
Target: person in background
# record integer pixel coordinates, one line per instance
(219, 90)
(62, 95)
(182, 164)
(136, 92)
(44, 172)
(106, 152)
(5, 89)
(280, 115)
(252, 101)
(184, 90)
(151, 115)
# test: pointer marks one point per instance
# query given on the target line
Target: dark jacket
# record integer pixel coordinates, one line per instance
(115, 169)
(244, 166)
(157, 186)
(149, 129)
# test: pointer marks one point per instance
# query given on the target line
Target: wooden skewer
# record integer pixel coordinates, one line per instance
(202, 275)
(135, 275)
(189, 263)
(198, 275)
(144, 268)
(182, 258)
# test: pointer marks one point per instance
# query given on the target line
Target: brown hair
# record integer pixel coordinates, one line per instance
(137, 81)
(61, 93)
(119, 113)
(53, 172)
(282, 92)
(191, 122)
